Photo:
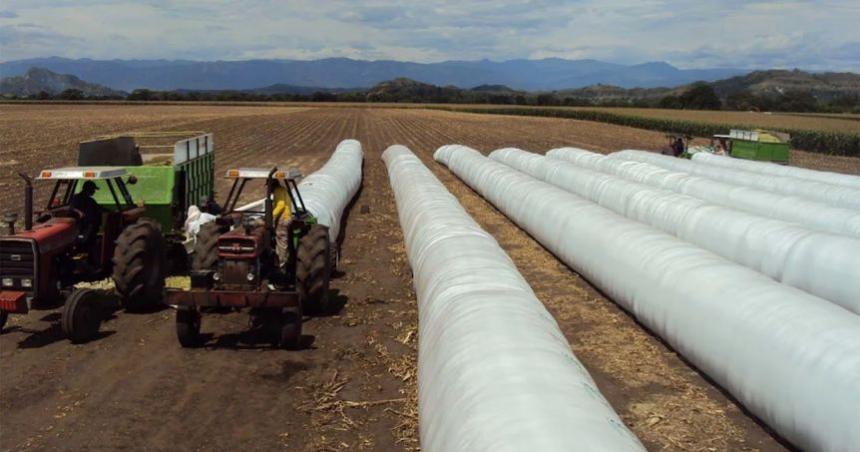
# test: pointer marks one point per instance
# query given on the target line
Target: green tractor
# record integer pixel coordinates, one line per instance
(172, 171)
(760, 145)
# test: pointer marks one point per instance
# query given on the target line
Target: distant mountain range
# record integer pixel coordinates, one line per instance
(529, 75)
(282, 88)
(824, 87)
(37, 80)
(408, 90)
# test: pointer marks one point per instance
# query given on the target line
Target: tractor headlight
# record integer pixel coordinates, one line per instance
(27, 282)
(216, 276)
(8, 282)
(251, 276)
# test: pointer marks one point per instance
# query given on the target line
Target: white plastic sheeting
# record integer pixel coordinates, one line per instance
(826, 265)
(810, 214)
(195, 219)
(791, 358)
(837, 196)
(329, 190)
(826, 177)
(494, 371)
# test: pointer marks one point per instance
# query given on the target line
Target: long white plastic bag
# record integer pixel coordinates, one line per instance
(827, 177)
(826, 265)
(837, 196)
(328, 191)
(793, 209)
(494, 371)
(791, 358)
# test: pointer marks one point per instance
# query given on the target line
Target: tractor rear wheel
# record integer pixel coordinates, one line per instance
(188, 327)
(139, 265)
(206, 247)
(313, 270)
(82, 315)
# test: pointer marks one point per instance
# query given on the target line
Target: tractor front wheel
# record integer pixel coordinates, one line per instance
(188, 327)
(313, 270)
(82, 315)
(3, 317)
(139, 265)
(291, 330)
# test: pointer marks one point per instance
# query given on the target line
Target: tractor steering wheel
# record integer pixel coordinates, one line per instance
(64, 212)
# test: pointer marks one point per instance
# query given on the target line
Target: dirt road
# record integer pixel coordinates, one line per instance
(134, 388)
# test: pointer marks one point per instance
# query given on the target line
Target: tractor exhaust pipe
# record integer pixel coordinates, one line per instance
(28, 202)
(270, 220)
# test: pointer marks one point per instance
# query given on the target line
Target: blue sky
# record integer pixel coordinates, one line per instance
(821, 35)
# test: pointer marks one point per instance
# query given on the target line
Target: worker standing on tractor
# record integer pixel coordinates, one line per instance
(678, 147)
(282, 212)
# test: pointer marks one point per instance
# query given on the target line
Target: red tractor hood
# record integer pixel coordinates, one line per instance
(52, 235)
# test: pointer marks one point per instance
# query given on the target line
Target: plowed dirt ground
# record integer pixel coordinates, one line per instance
(354, 386)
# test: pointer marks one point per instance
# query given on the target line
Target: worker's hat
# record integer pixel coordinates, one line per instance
(90, 185)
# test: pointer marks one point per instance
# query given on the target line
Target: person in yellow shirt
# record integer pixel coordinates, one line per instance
(282, 212)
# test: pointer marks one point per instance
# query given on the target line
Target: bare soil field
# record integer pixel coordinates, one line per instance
(354, 386)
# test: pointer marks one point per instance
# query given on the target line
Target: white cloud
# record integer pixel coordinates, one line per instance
(732, 33)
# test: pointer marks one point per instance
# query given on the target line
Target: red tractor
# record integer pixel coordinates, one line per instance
(62, 246)
(235, 263)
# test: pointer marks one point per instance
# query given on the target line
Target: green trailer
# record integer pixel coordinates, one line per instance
(758, 145)
(171, 171)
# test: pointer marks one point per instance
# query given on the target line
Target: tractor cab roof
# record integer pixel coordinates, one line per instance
(263, 173)
(79, 172)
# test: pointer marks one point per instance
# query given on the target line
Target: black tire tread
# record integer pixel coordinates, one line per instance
(139, 246)
(76, 332)
(291, 331)
(313, 270)
(206, 247)
(188, 328)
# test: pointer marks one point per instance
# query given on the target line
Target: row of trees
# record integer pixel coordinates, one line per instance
(700, 96)
(794, 100)
(69, 94)
(703, 97)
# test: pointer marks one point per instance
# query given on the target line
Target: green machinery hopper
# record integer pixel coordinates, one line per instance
(758, 145)
(174, 170)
